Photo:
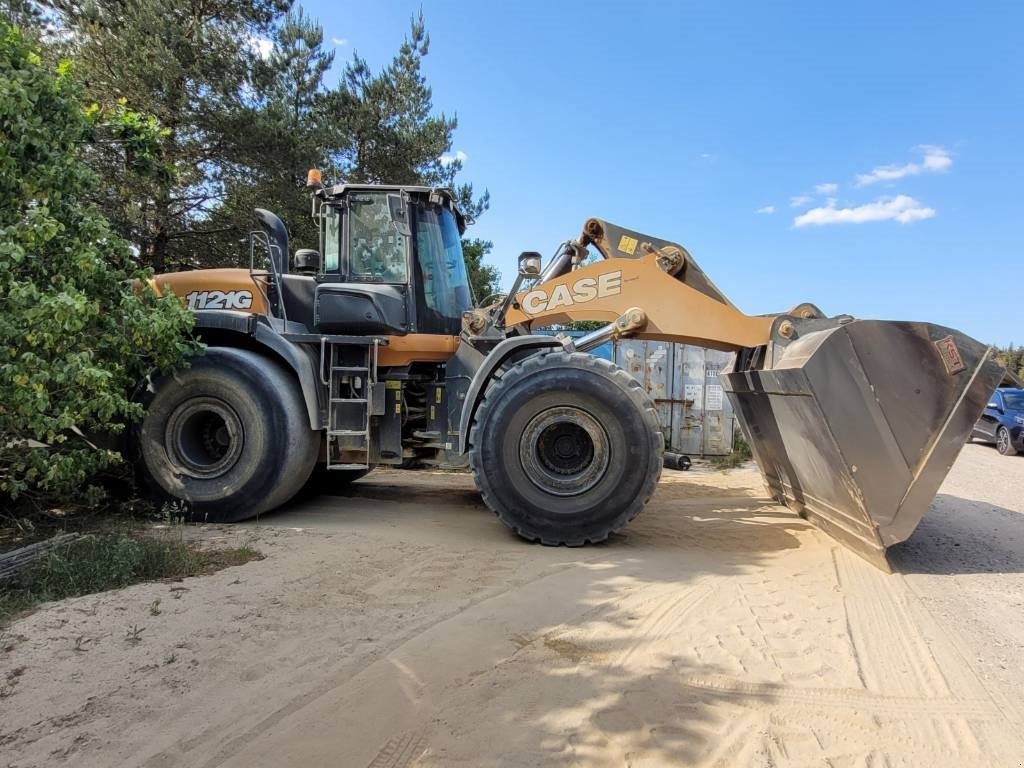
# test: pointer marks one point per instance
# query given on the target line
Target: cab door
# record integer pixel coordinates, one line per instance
(364, 288)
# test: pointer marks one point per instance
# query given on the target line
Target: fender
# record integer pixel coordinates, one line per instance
(243, 329)
(518, 346)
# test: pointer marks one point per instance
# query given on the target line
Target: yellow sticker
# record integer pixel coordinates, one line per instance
(437, 395)
(398, 407)
(627, 244)
(433, 413)
(393, 384)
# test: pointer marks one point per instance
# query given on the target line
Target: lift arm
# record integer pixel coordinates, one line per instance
(661, 278)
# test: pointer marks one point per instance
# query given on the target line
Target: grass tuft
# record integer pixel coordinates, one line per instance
(740, 453)
(109, 561)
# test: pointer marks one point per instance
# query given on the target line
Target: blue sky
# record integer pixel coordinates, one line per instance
(722, 125)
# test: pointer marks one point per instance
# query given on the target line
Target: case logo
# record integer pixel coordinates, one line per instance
(219, 299)
(583, 290)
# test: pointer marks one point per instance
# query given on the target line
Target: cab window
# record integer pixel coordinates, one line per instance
(376, 250)
(332, 240)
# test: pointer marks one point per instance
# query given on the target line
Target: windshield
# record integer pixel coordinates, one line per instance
(1014, 401)
(445, 284)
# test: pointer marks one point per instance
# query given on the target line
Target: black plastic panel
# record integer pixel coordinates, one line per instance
(355, 308)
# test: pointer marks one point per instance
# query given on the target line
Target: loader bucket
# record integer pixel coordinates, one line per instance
(855, 423)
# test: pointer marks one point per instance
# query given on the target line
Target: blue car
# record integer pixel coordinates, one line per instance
(1002, 422)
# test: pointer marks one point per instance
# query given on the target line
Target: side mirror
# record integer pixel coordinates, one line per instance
(399, 215)
(529, 264)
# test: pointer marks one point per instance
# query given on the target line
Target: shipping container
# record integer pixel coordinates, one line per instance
(694, 413)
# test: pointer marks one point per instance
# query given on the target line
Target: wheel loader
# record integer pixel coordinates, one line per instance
(370, 352)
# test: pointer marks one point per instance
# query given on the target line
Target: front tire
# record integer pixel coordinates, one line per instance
(229, 436)
(1004, 444)
(566, 448)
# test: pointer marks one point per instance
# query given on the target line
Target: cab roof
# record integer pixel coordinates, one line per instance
(446, 195)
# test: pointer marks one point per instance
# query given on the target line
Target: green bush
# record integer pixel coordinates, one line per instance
(77, 334)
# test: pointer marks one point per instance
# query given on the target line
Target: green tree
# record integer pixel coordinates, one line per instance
(1015, 360)
(371, 128)
(388, 130)
(75, 336)
(23, 13)
(483, 278)
(240, 88)
(189, 65)
(289, 129)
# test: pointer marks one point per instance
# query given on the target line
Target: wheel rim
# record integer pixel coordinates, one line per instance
(204, 437)
(1003, 441)
(564, 451)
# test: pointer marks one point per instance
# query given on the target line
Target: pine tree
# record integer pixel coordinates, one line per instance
(189, 65)
(238, 85)
(371, 128)
(388, 132)
(288, 130)
(483, 278)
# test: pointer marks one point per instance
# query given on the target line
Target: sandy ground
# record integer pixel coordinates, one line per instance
(401, 625)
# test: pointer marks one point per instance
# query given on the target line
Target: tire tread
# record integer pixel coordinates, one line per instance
(545, 361)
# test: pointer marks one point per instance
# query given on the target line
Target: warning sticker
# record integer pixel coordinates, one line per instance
(714, 399)
(627, 244)
(694, 393)
(950, 355)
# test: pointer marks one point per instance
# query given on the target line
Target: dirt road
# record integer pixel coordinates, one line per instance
(401, 625)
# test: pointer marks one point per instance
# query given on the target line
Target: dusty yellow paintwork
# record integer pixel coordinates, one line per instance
(675, 311)
(224, 286)
(225, 281)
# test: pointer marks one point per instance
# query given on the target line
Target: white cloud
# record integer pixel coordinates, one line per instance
(934, 160)
(459, 156)
(901, 208)
(829, 188)
(798, 200)
(766, 209)
(339, 41)
(261, 46)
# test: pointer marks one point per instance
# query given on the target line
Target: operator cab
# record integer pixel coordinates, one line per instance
(390, 263)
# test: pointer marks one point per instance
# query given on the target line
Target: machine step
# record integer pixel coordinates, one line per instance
(349, 418)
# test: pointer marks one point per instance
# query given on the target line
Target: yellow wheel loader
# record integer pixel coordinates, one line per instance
(369, 352)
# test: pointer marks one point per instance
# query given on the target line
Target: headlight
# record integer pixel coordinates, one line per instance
(1019, 419)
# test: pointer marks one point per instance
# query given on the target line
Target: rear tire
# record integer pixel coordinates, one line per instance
(229, 435)
(566, 448)
(1003, 442)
